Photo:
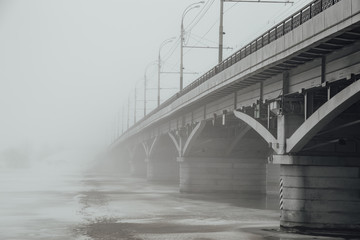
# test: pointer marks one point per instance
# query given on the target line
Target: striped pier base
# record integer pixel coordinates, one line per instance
(281, 194)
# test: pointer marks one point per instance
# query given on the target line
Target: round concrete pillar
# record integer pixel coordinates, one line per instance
(320, 193)
(222, 175)
(162, 170)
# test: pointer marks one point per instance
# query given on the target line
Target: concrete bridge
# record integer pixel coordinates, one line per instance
(281, 115)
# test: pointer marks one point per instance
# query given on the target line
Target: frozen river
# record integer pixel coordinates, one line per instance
(53, 205)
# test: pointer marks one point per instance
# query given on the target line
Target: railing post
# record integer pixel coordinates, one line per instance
(321, 5)
(283, 28)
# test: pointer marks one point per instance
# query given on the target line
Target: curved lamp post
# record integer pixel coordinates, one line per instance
(159, 65)
(145, 84)
(188, 9)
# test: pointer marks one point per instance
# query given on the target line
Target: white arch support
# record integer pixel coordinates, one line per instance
(146, 148)
(192, 137)
(184, 149)
(176, 142)
(258, 127)
(325, 114)
(149, 148)
(236, 140)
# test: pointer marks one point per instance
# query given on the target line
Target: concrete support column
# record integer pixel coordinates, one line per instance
(162, 170)
(272, 186)
(272, 179)
(320, 192)
(138, 168)
(223, 175)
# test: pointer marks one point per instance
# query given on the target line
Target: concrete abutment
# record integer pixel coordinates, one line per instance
(138, 169)
(162, 170)
(320, 193)
(248, 175)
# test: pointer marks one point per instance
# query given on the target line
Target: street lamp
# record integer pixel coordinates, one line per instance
(128, 113)
(159, 65)
(122, 118)
(145, 83)
(135, 100)
(189, 8)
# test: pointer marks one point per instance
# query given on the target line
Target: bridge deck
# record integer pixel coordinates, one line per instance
(314, 31)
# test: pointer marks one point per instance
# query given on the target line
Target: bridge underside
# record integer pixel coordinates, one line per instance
(320, 183)
(161, 161)
(221, 160)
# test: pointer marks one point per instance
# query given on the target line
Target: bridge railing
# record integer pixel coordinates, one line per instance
(290, 23)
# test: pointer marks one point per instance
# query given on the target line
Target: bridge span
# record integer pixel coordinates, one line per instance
(281, 115)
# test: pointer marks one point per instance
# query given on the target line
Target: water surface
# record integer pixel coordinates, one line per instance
(55, 204)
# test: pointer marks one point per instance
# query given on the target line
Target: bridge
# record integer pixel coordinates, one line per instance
(281, 115)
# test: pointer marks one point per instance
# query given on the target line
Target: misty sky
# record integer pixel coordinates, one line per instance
(68, 66)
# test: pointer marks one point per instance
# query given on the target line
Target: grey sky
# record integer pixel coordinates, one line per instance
(67, 67)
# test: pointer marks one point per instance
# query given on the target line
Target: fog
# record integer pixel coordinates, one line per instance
(68, 68)
(68, 74)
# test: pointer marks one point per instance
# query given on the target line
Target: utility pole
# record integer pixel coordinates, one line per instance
(122, 118)
(221, 26)
(145, 83)
(158, 85)
(117, 124)
(128, 113)
(182, 31)
(221, 30)
(135, 105)
(145, 94)
(159, 67)
(114, 131)
(181, 55)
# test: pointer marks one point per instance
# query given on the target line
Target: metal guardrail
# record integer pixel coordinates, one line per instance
(290, 23)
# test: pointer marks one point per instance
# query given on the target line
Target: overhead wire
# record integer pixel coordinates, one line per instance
(200, 16)
(197, 20)
(172, 49)
(282, 12)
(202, 13)
(212, 1)
(274, 20)
(203, 38)
(192, 24)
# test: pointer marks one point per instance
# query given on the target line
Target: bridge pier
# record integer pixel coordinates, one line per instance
(138, 168)
(320, 192)
(272, 180)
(223, 175)
(224, 158)
(136, 161)
(162, 170)
(161, 159)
